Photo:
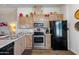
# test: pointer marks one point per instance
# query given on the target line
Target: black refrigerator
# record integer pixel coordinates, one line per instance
(58, 30)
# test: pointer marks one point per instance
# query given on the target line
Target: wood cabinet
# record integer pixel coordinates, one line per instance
(23, 43)
(22, 20)
(30, 22)
(19, 46)
(28, 41)
(48, 41)
(37, 17)
(60, 16)
(25, 21)
(52, 17)
(56, 17)
(46, 23)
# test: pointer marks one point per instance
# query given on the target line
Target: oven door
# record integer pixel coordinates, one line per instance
(38, 41)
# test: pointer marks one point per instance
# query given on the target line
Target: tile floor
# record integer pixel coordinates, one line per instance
(46, 52)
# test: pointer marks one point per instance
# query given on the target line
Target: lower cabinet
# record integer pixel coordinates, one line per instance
(48, 41)
(23, 43)
(28, 41)
(19, 46)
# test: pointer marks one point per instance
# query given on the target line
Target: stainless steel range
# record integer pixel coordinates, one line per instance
(39, 40)
(38, 36)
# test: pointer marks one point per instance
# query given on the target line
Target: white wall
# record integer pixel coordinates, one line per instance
(51, 9)
(8, 15)
(69, 11)
(27, 10)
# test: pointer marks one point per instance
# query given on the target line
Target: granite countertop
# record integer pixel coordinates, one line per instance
(9, 40)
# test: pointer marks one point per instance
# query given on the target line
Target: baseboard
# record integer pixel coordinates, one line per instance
(75, 53)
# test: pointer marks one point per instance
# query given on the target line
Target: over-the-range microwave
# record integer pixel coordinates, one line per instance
(38, 24)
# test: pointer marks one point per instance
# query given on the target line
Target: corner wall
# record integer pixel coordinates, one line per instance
(8, 15)
(73, 36)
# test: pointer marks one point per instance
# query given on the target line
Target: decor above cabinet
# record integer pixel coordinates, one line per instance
(3, 24)
(12, 27)
(31, 14)
(21, 15)
(27, 20)
(77, 14)
(77, 26)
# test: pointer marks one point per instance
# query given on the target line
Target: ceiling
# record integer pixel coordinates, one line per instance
(29, 5)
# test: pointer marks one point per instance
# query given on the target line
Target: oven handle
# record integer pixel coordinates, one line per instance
(38, 36)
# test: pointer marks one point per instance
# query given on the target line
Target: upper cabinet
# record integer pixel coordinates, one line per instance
(25, 22)
(35, 13)
(22, 21)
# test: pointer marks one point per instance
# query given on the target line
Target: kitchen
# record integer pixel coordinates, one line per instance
(32, 29)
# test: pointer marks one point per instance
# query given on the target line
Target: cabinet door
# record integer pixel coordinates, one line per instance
(29, 42)
(48, 41)
(52, 17)
(17, 48)
(22, 44)
(46, 23)
(22, 20)
(60, 16)
(30, 21)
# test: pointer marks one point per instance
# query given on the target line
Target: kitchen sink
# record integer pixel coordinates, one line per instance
(4, 36)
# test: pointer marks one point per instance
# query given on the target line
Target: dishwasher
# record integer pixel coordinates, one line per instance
(8, 49)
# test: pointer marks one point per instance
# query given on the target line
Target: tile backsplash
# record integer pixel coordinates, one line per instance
(28, 31)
